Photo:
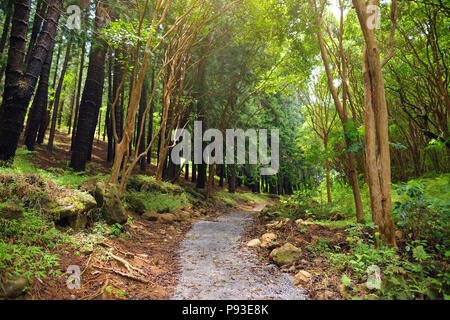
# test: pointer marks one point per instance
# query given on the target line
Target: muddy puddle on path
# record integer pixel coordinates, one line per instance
(215, 267)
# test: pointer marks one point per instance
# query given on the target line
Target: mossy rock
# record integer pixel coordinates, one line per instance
(184, 216)
(150, 215)
(286, 254)
(75, 209)
(10, 210)
(99, 193)
(14, 288)
(167, 218)
(112, 209)
(136, 204)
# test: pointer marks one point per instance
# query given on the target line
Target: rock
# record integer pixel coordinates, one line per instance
(136, 204)
(74, 209)
(254, 243)
(275, 225)
(184, 216)
(150, 215)
(14, 288)
(99, 193)
(87, 249)
(286, 254)
(166, 218)
(302, 278)
(301, 223)
(324, 295)
(268, 240)
(112, 209)
(10, 210)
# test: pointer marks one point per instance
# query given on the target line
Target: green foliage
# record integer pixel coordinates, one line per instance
(28, 246)
(116, 229)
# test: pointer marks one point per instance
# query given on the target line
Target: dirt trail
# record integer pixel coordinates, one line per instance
(214, 266)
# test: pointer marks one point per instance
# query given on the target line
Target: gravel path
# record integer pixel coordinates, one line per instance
(215, 267)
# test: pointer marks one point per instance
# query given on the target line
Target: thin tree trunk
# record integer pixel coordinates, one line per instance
(57, 97)
(77, 101)
(40, 12)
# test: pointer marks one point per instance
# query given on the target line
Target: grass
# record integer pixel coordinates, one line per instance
(65, 178)
(27, 246)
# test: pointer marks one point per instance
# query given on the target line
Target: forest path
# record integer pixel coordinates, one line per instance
(214, 266)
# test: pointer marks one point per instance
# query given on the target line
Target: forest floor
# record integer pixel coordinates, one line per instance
(323, 284)
(148, 259)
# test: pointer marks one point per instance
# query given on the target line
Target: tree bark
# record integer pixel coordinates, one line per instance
(19, 87)
(376, 130)
(37, 22)
(91, 100)
(77, 99)
(57, 97)
(5, 34)
(38, 111)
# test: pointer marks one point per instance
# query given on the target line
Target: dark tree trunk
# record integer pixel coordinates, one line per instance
(77, 101)
(141, 123)
(186, 171)
(108, 123)
(37, 22)
(19, 87)
(201, 176)
(194, 173)
(38, 112)
(57, 97)
(5, 34)
(91, 101)
(72, 106)
(61, 111)
(150, 121)
(6, 25)
(232, 178)
(45, 121)
(221, 174)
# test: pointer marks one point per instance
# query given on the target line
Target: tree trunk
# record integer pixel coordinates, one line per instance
(5, 34)
(37, 22)
(150, 120)
(141, 124)
(232, 178)
(38, 111)
(91, 100)
(57, 97)
(376, 131)
(19, 87)
(77, 100)
(108, 120)
(340, 107)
